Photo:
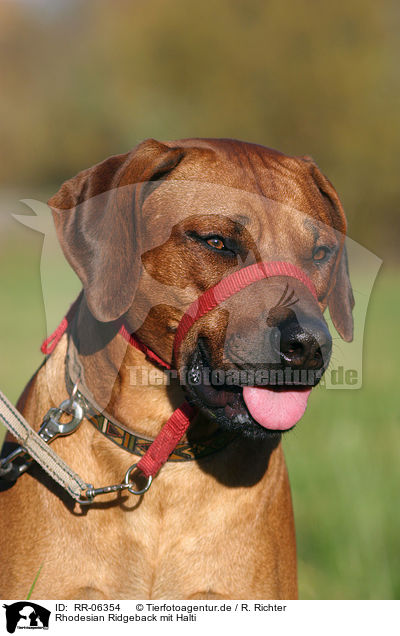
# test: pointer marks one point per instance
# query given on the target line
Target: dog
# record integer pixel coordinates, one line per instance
(148, 232)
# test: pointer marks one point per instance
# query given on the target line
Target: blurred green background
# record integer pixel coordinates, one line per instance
(83, 80)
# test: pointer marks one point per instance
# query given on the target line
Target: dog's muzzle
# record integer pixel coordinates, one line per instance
(274, 408)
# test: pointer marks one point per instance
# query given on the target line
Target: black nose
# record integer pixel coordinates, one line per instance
(306, 344)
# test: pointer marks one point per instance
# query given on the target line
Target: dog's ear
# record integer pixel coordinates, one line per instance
(341, 300)
(97, 215)
(340, 294)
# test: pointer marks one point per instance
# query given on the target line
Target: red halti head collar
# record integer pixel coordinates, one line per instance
(179, 421)
(231, 285)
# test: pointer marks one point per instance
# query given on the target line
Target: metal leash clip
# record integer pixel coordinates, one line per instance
(50, 428)
(126, 484)
(53, 427)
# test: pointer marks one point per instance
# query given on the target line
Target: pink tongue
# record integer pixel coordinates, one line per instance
(277, 410)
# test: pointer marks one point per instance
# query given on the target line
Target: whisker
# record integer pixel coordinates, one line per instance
(289, 297)
(292, 303)
(283, 296)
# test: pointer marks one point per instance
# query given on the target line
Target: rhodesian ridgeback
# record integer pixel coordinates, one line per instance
(148, 232)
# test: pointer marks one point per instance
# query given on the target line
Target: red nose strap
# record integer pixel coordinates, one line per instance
(232, 284)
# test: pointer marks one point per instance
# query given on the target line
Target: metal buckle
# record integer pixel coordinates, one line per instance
(52, 427)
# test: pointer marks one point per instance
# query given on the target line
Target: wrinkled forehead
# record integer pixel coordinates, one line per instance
(215, 207)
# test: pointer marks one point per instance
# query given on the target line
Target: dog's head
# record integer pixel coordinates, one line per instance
(149, 231)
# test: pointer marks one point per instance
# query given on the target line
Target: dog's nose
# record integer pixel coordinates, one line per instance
(305, 345)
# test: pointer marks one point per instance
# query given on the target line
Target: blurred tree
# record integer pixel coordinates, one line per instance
(93, 78)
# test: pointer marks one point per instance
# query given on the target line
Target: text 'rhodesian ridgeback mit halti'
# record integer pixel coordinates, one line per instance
(153, 235)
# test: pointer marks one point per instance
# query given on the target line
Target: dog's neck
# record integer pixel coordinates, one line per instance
(122, 381)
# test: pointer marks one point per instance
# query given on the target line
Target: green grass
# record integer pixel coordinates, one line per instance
(31, 590)
(22, 315)
(343, 457)
(344, 468)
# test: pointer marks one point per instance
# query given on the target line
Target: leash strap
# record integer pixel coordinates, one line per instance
(37, 448)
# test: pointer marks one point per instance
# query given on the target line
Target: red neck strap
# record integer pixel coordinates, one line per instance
(138, 344)
(179, 421)
(51, 342)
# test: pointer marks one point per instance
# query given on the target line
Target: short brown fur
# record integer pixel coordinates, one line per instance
(220, 527)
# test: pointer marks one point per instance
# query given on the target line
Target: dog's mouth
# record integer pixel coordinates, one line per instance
(245, 401)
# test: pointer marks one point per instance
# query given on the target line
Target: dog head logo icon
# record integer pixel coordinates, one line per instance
(26, 615)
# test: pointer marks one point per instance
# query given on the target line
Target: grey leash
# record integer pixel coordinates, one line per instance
(34, 446)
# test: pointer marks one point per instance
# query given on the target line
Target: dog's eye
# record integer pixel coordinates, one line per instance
(216, 242)
(321, 253)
